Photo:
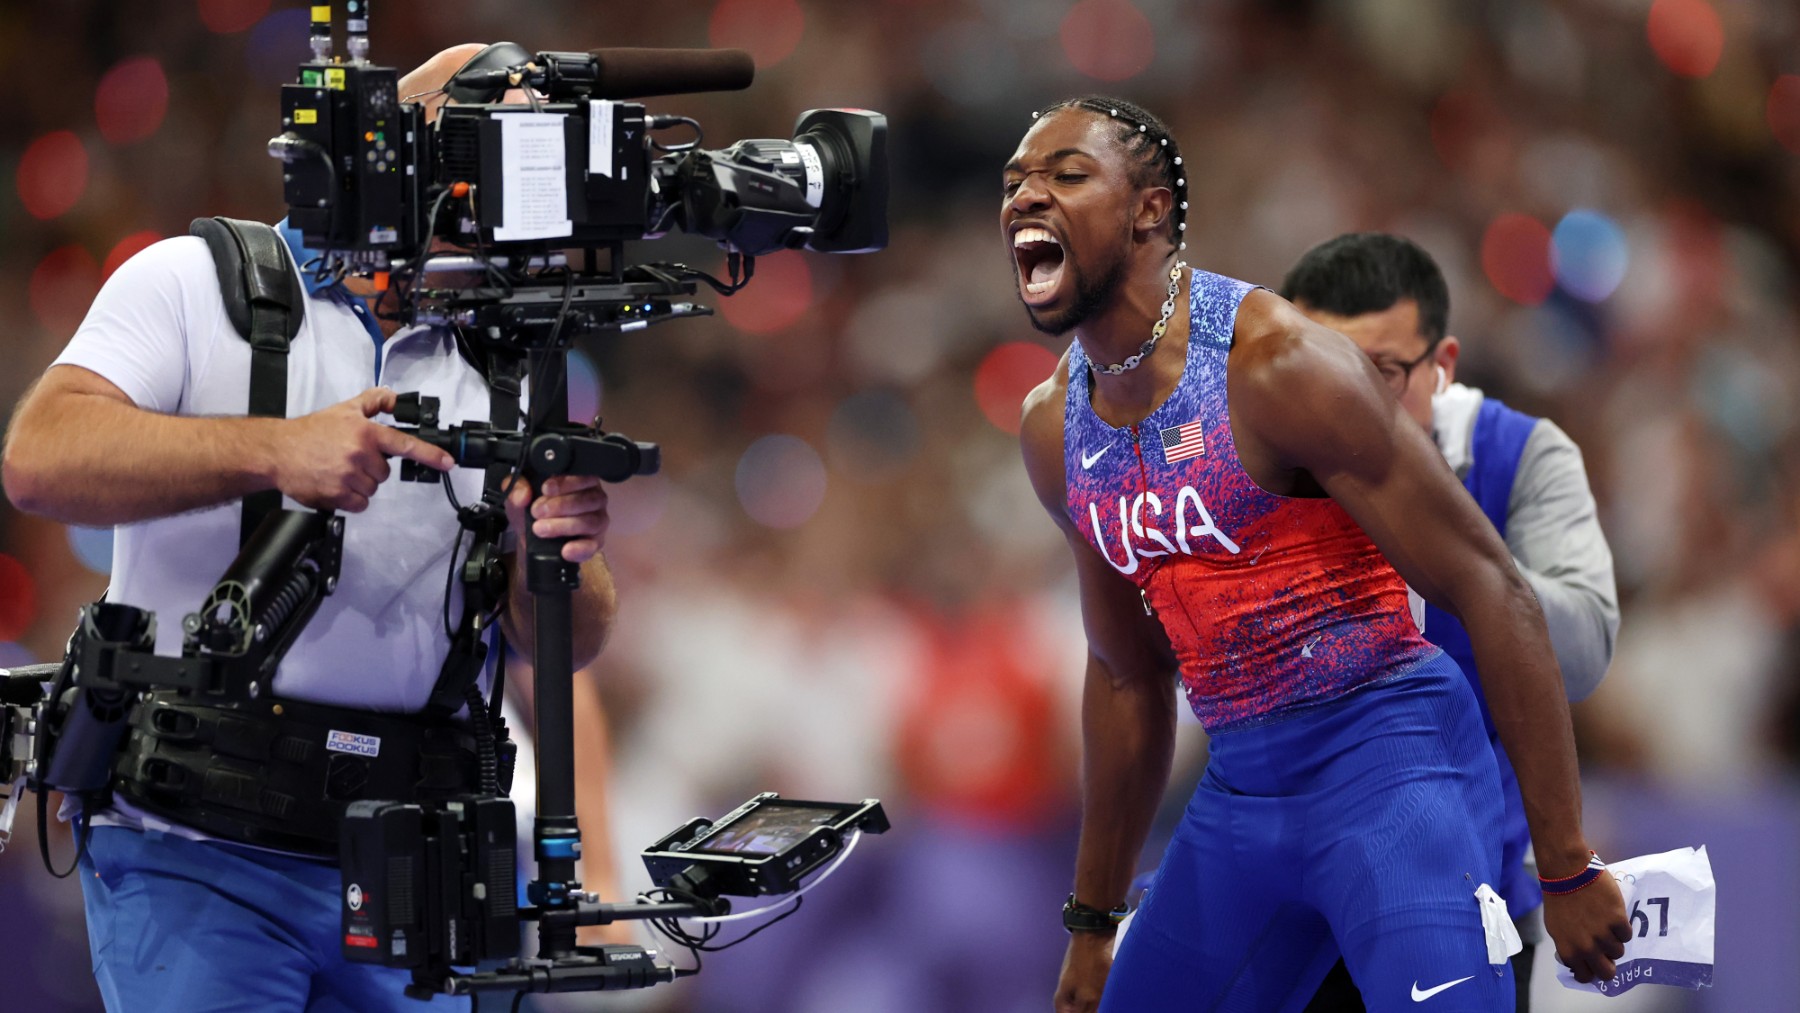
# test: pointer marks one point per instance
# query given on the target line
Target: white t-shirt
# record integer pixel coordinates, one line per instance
(159, 331)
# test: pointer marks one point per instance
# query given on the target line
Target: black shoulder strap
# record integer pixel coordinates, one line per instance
(266, 303)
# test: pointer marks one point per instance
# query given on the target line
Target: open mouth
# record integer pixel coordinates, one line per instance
(1040, 260)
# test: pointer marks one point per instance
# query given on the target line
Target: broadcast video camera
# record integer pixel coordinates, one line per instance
(371, 183)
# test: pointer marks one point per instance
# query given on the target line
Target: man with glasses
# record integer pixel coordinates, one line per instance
(1387, 295)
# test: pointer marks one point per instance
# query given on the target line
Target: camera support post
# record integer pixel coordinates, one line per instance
(539, 323)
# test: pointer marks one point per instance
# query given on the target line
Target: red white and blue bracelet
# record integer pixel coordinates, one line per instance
(1570, 884)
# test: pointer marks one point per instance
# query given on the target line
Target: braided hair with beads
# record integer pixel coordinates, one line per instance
(1159, 161)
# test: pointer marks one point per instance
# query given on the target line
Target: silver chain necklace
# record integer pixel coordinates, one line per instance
(1156, 333)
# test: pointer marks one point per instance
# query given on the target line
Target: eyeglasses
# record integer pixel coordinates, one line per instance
(1397, 373)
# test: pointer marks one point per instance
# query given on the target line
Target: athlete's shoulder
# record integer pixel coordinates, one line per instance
(1041, 435)
(1275, 346)
(1043, 407)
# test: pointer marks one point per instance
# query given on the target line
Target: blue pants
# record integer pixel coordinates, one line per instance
(197, 927)
(1361, 827)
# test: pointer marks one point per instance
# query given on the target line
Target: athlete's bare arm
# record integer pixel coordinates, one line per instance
(1310, 413)
(80, 451)
(1127, 711)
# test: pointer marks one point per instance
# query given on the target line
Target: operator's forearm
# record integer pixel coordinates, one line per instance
(95, 461)
(591, 608)
(1128, 738)
(1525, 696)
(1582, 629)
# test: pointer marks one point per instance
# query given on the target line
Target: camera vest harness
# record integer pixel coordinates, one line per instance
(277, 773)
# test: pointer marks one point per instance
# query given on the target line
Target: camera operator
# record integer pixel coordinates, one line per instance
(139, 424)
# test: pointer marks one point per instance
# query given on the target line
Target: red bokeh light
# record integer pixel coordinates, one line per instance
(53, 173)
(131, 100)
(1515, 255)
(1460, 121)
(62, 286)
(228, 16)
(1005, 376)
(1108, 40)
(1784, 111)
(1687, 36)
(780, 297)
(125, 249)
(769, 29)
(18, 598)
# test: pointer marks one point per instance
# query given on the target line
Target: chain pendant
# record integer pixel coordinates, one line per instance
(1156, 333)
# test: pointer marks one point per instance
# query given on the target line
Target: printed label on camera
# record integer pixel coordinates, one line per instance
(350, 742)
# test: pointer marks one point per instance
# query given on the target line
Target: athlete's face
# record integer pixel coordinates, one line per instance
(1414, 367)
(1068, 216)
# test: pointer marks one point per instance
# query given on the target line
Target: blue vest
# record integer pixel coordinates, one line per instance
(1499, 442)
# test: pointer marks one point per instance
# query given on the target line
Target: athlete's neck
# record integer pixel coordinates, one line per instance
(1119, 330)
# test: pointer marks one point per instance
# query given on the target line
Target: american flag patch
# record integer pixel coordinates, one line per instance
(1182, 442)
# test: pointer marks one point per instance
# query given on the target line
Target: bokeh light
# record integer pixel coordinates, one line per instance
(1005, 376)
(277, 45)
(125, 249)
(18, 598)
(1784, 111)
(1588, 255)
(584, 388)
(776, 300)
(53, 173)
(769, 30)
(871, 436)
(62, 286)
(131, 100)
(93, 547)
(781, 481)
(228, 16)
(1108, 40)
(1515, 256)
(1687, 36)
(634, 507)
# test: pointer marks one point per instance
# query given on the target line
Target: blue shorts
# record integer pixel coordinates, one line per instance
(196, 927)
(1360, 827)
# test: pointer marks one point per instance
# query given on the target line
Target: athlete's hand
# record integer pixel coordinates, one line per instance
(571, 506)
(1085, 965)
(335, 457)
(1589, 928)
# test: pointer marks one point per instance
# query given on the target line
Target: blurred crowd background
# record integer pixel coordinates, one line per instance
(841, 585)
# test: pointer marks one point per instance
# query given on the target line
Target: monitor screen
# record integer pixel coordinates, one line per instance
(767, 830)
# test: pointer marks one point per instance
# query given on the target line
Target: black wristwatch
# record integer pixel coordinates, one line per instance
(1078, 917)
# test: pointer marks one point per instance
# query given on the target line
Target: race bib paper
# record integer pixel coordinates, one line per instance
(1669, 899)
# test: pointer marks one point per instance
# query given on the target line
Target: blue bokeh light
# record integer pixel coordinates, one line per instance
(781, 481)
(1589, 255)
(277, 45)
(584, 388)
(94, 547)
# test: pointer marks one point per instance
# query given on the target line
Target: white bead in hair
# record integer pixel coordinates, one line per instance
(1182, 226)
(1115, 112)
(1164, 142)
(1035, 114)
(1142, 128)
(1181, 182)
(1184, 205)
(1177, 159)
(1183, 244)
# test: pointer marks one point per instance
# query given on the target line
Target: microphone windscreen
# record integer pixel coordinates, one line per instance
(641, 73)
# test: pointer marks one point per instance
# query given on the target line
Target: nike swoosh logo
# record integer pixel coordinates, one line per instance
(1088, 462)
(1419, 996)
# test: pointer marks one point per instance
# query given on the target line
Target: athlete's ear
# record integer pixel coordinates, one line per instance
(1154, 205)
(1447, 352)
